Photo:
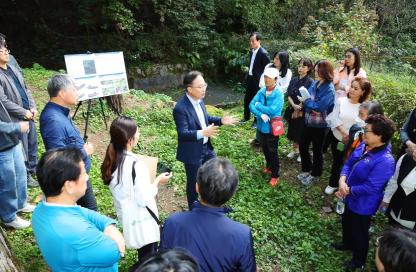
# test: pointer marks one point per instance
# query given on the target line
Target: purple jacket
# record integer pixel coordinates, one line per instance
(367, 176)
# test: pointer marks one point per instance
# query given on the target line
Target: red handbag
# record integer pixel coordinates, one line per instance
(276, 126)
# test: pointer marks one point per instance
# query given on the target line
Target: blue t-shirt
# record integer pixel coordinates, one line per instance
(71, 239)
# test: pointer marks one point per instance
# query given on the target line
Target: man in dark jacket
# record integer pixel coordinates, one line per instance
(214, 240)
(258, 60)
(21, 107)
(13, 178)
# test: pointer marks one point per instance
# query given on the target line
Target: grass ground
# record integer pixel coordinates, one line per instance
(291, 230)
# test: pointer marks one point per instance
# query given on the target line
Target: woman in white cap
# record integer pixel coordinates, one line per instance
(266, 105)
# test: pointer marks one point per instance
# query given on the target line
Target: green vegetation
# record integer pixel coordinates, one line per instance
(291, 231)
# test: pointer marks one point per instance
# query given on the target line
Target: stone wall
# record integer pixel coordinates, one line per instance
(157, 77)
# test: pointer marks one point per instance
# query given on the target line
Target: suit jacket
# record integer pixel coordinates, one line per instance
(10, 96)
(261, 60)
(187, 124)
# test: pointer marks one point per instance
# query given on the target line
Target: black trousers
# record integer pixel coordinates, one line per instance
(316, 136)
(191, 171)
(252, 87)
(355, 235)
(143, 254)
(270, 145)
(337, 160)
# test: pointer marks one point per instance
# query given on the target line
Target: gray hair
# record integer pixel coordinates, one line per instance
(58, 83)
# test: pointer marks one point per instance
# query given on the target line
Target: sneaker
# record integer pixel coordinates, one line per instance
(267, 170)
(242, 121)
(27, 209)
(292, 154)
(31, 182)
(18, 223)
(273, 182)
(330, 190)
(299, 160)
(309, 180)
(303, 175)
(254, 126)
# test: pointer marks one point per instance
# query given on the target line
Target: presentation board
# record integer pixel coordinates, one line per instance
(98, 74)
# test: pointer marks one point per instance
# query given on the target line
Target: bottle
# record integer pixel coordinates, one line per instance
(340, 208)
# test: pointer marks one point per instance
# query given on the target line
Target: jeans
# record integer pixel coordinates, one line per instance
(252, 87)
(13, 179)
(30, 145)
(191, 171)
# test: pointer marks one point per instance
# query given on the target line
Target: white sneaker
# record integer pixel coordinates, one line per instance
(330, 190)
(18, 223)
(309, 180)
(299, 159)
(303, 175)
(27, 209)
(292, 154)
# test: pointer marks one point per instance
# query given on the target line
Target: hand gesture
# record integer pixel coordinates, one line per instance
(210, 131)
(24, 127)
(229, 120)
(265, 118)
(297, 107)
(163, 178)
(89, 148)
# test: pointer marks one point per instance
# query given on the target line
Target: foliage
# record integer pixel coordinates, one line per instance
(337, 29)
(290, 231)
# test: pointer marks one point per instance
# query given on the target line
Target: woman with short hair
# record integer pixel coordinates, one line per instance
(361, 185)
(70, 237)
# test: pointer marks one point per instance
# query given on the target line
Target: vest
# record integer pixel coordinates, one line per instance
(399, 201)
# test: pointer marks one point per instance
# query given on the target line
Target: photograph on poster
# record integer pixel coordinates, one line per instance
(98, 75)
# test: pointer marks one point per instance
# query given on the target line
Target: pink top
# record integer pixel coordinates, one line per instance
(342, 80)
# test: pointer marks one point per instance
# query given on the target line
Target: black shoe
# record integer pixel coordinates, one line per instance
(255, 142)
(340, 246)
(254, 126)
(31, 182)
(352, 267)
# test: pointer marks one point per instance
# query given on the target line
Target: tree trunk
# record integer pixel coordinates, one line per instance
(8, 261)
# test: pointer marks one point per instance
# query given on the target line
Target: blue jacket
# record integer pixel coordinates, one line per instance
(57, 130)
(367, 178)
(72, 239)
(272, 108)
(322, 100)
(187, 124)
(217, 242)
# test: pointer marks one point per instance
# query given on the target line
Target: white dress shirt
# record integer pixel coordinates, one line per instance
(250, 71)
(201, 117)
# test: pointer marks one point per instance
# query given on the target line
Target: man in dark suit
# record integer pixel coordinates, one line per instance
(195, 128)
(258, 60)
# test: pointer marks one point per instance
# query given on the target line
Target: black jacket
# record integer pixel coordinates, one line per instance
(261, 60)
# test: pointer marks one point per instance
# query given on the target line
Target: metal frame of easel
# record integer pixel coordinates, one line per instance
(87, 116)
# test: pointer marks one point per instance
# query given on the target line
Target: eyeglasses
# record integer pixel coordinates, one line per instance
(367, 130)
(3, 51)
(203, 86)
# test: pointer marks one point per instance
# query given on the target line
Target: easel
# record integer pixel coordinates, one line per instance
(87, 116)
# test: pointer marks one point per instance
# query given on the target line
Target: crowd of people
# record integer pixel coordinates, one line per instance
(332, 109)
